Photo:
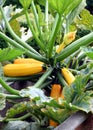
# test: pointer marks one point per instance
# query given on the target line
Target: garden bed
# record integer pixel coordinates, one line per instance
(46, 76)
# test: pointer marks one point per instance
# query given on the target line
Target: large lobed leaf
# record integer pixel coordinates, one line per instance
(85, 20)
(63, 6)
(25, 3)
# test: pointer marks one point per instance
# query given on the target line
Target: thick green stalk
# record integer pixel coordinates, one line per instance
(31, 78)
(74, 71)
(36, 19)
(43, 78)
(82, 66)
(15, 44)
(41, 45)
(70, 49)
(61, 79)
(46, 84)
(24, 44)
(8, 88)
(53, 35)
(10, 96)
(46, 14)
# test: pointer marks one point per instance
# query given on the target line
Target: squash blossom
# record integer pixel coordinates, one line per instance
(68, 38)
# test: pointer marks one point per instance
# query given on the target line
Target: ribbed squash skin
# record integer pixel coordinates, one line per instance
(26, 60)
(14, 70)
(55, 93)
(69, 77)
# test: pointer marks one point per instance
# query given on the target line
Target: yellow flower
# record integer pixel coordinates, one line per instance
(68, 38)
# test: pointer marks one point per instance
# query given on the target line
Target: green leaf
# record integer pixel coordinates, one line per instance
(16, 109)
(88, 51)
(9, 54)
(83, 102)
(25, 3)
(2, 102)
(76, 11)
(85, 20)
(73, 4)
(34, 93)
(68, 93)
(58, 115)
(59, 5)
(63, 6)
(16, 28)
(76, 88)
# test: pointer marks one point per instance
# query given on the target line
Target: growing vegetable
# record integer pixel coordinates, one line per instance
(69, 77)
(22, 69)
(55, 93)
(26, 60)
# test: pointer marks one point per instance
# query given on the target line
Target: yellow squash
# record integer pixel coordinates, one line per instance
(69, 77)
(14, 70)
(26, 60)
(55, 93)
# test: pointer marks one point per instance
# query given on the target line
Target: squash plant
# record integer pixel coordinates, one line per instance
(50, 68)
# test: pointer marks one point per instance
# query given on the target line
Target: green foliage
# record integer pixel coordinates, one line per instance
(9, 54)
(16, 28)
(25, 3)
(44, 33)
(16, 109)
(2, 102)
(62, 6)
(85, 20)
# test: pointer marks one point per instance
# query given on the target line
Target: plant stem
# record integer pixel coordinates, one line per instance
(15, 44)
(36, 19)
(9, 96)
(46, 84)
(63, 82)
(19, 118)
(24, 44)
(70, 49)
(46, 14)
(53, 35)
(9, 79)
(41, 45)
(43, 78)
(75, 72)
(82, 66)
(81, 57)
(8, 88)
